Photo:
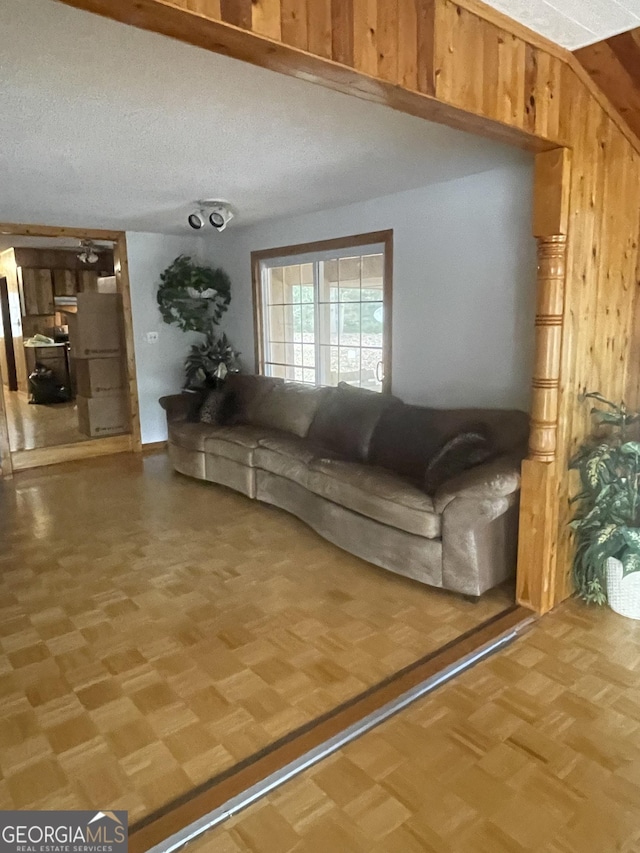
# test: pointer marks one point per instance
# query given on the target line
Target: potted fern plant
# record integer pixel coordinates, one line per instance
(606, 524)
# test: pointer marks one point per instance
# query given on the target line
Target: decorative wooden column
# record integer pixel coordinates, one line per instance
(538, 537)
(552, 254)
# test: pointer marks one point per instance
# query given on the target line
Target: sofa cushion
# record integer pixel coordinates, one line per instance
(407, 437)
(242, 394)
(290, 407)
(347, 418)
(236, 442)
(375, 493)
(285, 455)
(188, 435)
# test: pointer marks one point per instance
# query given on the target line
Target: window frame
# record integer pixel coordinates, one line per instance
(337, 244)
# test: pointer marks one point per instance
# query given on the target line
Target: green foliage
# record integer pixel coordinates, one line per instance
(607, 519)
(202, 366)
(193, 297)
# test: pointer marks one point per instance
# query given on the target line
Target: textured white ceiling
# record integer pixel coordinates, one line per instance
(105, 125)
(573, 23)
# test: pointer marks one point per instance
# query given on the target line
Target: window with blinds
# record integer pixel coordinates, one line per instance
(323, 312)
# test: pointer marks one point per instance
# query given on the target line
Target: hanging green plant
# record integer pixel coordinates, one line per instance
(193, 297)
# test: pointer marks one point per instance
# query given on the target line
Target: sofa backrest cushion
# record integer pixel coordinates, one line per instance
(408, 437)
(346, 420)
(290, 407)
(242, 394)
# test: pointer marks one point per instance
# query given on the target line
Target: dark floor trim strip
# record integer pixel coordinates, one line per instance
(231, 784)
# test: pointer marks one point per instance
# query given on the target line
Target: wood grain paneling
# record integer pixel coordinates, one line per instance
(478, 71)
(265, 18)
(552, 261)
(614, 65)
(236, 12)
(342, 32)
(9, 269)
(124, 289)
(319, 28)
(37, 291)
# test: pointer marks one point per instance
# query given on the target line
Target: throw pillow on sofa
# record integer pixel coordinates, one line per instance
(211, 408)
(457, 455)
(346, 420)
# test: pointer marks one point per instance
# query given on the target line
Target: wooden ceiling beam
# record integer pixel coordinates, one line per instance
(614, 65)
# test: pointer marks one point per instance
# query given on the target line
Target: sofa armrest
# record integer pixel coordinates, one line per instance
(492, 480)
(177, 406)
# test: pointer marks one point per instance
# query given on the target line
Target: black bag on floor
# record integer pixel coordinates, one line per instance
(44, 388)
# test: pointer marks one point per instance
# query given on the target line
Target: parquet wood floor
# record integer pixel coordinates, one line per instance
(155, 630)
(536, 749)
(33, 426)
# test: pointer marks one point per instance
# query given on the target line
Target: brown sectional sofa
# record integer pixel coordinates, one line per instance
(351, 463)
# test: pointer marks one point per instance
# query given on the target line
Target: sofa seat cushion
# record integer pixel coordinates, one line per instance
(285, 455)
(236, 442)
(375, 493)
(190, 436)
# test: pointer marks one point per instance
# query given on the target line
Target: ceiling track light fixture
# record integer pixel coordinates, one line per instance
(217, 213)
(88, 253)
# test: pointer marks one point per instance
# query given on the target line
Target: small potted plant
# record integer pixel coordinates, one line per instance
(209, 362)
(606, 524)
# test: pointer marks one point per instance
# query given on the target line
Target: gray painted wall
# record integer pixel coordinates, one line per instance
(159, 366)
(463, 285)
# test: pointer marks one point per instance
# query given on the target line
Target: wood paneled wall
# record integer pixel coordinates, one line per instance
(9, 269)
(465, 65)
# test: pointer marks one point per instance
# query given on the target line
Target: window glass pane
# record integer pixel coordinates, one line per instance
(292, 275)
(372, 324)
(276, 323)
(371, 369)
(349, 270)
(296, 355)
(291, 322)
(275, 370)
(349, 364)
(331, 271)
(275, 292)
(327, 330)
(372, 267)
(307, 294)
(372, 277)
(309, 355)
(308, 322)
(335, 366)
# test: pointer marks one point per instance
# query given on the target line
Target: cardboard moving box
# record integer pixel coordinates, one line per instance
(95, 329)
(99, 377)
(99, 416)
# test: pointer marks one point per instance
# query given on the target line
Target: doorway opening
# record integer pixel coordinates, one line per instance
(65, 358)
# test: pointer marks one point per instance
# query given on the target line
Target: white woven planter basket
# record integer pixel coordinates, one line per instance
(623, 593)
